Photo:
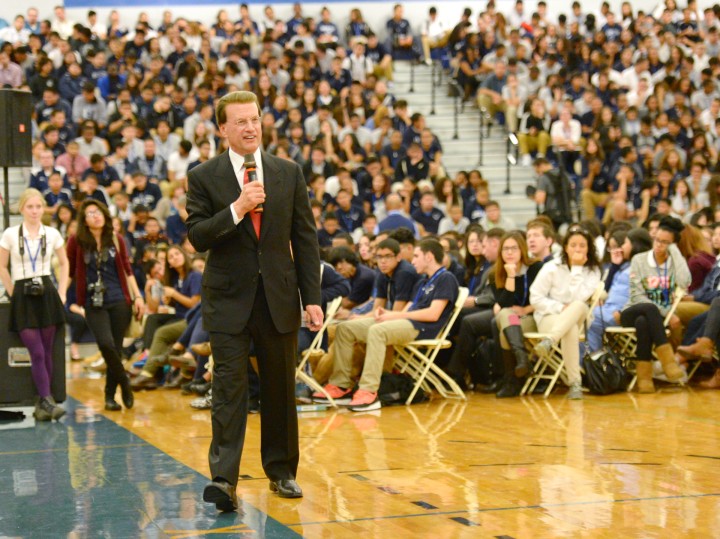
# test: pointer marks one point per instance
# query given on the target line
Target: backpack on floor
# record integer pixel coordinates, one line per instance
(605, 373)
(395, 388)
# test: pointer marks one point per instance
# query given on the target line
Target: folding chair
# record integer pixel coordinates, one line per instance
(316, 344)
(623, 341)
(550, 365)
(420, 365)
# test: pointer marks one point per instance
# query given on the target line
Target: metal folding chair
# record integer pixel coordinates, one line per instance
(623, 341)
(417, 359)
(316, 344)
(550, 366)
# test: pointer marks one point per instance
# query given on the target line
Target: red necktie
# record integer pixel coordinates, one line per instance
(255, 216)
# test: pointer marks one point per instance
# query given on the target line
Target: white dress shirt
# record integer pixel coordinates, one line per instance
(238, 163)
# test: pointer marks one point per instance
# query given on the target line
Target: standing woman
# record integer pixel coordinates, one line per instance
(36, 306)
(653, 278)
(560, 294)
(514, 275)
(106, 291)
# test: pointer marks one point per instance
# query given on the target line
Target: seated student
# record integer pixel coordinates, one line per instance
(432, 305)
(361, 278)
(559, 295)
(330, 229)
(143, 192)
(540, 238)
(428, 215)
(454, 222)
(475, 209)
(513, 275)
(653, 278)
(396, 218)
(623, 245)
(706, 344)
(56, 195)
(494, 219)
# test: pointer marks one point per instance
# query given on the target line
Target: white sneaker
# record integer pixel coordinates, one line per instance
(526, 160)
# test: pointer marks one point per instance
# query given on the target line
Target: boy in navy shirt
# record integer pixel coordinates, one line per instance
(433, 302)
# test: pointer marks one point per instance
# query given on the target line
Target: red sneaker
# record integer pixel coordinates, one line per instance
(364, 401)
(338, 394)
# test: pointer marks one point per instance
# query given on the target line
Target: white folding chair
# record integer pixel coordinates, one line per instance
(550, 365)
(316, 344)
(623, 340)
(417, 358)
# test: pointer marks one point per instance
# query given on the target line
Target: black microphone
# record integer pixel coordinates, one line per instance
(251, 169)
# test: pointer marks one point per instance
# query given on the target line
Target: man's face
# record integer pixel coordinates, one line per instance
(493, 213)
(537, 242)
(331, 226)
(490, 248)
(343, 199)
(46, 159)
(420, 260)
(387, 260)
(346, 269)
(242, 128)
(150, 148)
(152, 228)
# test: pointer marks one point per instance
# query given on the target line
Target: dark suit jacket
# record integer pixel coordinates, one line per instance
(287, 254)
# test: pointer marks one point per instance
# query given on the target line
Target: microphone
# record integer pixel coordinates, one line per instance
(251, 168)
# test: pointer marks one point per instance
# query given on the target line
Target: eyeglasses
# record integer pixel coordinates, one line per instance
(243, 123)
(380, 258)
(92, 213)
(510, 248)
(662, 242)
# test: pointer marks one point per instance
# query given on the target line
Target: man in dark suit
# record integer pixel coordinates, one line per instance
(260, 267)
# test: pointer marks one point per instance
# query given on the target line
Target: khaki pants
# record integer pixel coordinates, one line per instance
(377, 336)
(592, 200)
(502, 319)
(384, 70)
(565, 329)
(531, 143)
(430, 43)
(487, 102)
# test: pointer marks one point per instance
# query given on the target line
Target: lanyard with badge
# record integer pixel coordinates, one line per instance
(427, 285)
(35, 286)
(664, 284)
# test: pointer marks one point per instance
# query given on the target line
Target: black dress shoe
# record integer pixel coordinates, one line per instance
(128, 397)
(112, 406)
(286, 488)
(222, 494)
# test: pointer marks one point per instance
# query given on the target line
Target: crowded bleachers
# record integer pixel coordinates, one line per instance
(617, 112)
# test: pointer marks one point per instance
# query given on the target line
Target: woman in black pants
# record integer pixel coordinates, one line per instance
(106, 290)
(653, 278)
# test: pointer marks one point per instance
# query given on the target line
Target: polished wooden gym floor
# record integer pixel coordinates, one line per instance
(625, 465)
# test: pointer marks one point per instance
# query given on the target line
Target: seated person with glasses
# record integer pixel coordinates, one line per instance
(433, 302)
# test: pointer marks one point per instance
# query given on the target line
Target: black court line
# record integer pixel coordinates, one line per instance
(503, 537)
(467, 442)
(383, 438)
(424, 505)
(515, 508)
(93, 447)
(358, 477)
(503, 464)
(373, 470)
(703, 457)
(634, 463)
(631, 450)
(545, 445)
(465, 522)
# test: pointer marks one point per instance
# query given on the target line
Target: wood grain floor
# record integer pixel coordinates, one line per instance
(624, 465)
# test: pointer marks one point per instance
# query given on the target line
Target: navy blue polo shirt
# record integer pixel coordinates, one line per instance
(442, 285)
(397, 287)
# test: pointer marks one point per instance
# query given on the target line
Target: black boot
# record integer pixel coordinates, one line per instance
(516, 340)
(512, 385)
(126, 390)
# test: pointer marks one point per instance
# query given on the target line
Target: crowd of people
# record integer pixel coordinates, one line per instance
(624, 106)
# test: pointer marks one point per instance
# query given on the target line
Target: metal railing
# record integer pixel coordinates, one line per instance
(432, 89)
(412, 77)
(511, 158)
(481, 135)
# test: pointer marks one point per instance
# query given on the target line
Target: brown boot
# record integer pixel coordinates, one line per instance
(703, 349)
(712, 383)
(644, 377)
(667, 359)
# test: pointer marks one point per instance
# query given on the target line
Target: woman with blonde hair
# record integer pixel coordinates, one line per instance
(36, 306)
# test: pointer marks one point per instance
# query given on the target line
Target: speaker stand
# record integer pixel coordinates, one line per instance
(6, 198)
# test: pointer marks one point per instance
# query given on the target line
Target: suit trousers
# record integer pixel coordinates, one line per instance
(565, 329)
(377, 335)
(276, 355)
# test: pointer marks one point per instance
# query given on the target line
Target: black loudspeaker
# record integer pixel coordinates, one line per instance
(15, 128)
(16, 385)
